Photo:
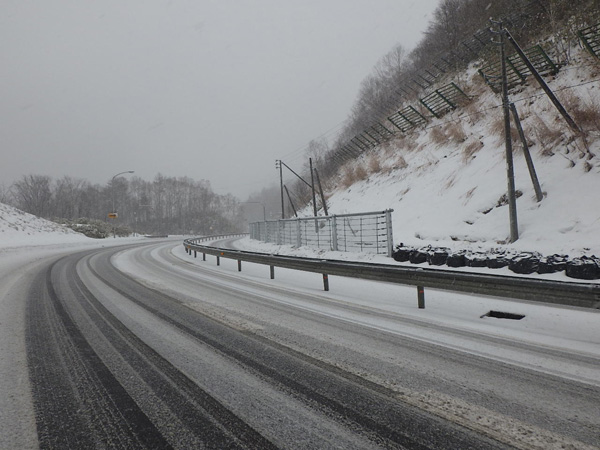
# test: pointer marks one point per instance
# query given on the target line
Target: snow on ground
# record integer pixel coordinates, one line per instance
(18, 229)
(21, 232)
(26, 242)
(571, 329)
(444, 182)
(252, 245)
(443, 195)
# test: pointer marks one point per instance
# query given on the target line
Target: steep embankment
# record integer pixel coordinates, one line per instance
(446, 181)
(18, 228)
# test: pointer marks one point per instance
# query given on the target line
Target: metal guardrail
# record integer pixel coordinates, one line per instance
(545, 291)
(213, 237)
(369, 232)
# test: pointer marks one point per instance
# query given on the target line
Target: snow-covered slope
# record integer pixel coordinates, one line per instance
(18, 229)
(445, 181)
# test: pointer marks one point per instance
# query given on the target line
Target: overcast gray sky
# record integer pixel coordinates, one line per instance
(212, 90)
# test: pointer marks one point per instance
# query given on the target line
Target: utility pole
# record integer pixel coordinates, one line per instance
(278, 165)
(510, 174)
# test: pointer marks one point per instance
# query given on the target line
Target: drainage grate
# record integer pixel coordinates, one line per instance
(503, 315)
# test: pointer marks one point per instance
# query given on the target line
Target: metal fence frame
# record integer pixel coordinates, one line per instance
(369, 232)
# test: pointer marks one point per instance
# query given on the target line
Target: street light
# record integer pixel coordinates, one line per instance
(264, 209)
(112, 189)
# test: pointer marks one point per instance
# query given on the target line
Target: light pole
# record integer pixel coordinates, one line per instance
(112, 191)
(264, 209)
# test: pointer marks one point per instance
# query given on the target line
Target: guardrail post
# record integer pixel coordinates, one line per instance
(421, 297)
(272, 270)
(218, 260)
(325, 282)
(239, 265)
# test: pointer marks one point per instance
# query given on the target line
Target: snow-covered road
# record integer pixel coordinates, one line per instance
(173, 350)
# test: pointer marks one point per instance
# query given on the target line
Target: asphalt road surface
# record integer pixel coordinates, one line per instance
(137, 347)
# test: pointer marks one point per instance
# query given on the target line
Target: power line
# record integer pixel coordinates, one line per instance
(305, 146)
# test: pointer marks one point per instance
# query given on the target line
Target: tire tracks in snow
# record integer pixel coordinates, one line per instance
(360, 405)
(80, 403)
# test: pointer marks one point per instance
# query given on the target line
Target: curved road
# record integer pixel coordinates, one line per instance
(139, 347)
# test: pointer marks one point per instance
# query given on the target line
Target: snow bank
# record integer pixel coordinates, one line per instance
(20, 229)
(445, 182)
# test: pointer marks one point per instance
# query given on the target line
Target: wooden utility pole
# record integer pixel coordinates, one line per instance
(510, 173)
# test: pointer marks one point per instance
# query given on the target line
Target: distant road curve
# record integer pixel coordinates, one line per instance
(137, 348)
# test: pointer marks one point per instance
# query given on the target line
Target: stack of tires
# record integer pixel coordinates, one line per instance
(584, 267)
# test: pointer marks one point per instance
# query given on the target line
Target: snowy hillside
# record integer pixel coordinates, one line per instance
(18, 229)
(445, 181)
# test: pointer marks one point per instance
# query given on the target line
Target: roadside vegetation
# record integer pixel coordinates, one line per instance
(166, 205)
(394, 84)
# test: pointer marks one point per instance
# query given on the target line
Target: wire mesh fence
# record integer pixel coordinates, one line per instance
(362, 232)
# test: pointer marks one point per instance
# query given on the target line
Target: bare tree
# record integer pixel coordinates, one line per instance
(164, 205)
(378, 95)
(33, 194)
(68, 196)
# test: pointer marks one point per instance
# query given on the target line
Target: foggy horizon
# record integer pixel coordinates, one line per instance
(213, 91)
